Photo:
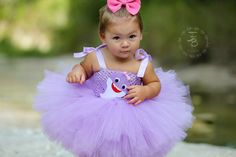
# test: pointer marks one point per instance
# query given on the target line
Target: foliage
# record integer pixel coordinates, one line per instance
(36, 27)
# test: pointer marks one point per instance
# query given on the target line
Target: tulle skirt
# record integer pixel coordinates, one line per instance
(90, 126)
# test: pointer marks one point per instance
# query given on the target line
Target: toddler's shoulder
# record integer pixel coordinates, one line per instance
(91, 60)
(91, 55)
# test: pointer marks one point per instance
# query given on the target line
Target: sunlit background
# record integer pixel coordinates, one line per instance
(195, 38)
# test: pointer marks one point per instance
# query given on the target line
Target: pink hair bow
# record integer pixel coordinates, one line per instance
(132, 6)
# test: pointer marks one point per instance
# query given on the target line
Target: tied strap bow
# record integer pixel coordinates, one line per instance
(142, 54)
(86, 50)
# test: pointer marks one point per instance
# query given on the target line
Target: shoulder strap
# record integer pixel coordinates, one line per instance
(145, 57)
(87, 50)
(142, 67)
(100, 58)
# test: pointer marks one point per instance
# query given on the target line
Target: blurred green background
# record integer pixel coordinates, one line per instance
(41, 28)
(35, 34)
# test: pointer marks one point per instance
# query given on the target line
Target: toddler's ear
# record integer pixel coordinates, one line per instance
(141, 37)
(102, 37)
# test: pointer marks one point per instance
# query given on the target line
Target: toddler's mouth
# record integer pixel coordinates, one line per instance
(125, 51)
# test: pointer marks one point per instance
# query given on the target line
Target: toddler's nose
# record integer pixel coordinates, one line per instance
(125, 43)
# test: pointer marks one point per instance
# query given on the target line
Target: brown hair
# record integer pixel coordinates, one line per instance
(105, 17)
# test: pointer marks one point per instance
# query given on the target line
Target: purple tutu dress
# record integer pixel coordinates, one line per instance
(93, 120)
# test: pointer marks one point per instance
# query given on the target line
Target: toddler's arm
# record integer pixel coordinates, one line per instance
(151, 87)
(81, 72)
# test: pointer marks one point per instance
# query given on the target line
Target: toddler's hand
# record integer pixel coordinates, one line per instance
(76, 76)
(136, 94)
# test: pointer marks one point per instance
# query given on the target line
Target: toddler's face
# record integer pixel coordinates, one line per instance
(122, 37)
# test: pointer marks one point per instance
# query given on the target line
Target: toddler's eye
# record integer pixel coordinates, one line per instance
(117, 80)
(116, 38)
(132, 36)
(123, 86)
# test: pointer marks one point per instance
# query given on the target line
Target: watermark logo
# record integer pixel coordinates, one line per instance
(193, 42)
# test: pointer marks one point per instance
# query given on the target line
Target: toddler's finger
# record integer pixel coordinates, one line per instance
(128, 96)
(82, 79)
(131, 87)
(69, 79)
(138, 102)
(73, 79)
(78, 79)
(133, 101)
(131, 91)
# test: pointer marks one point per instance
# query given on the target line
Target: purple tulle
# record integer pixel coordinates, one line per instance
(90, 126)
